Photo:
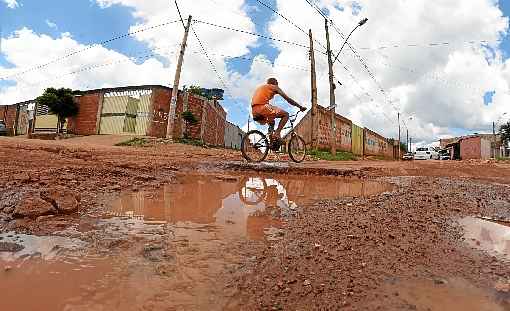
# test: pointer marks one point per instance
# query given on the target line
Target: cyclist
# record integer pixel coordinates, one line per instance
(265, 113)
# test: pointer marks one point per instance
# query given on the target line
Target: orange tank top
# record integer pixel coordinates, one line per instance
(263, 94)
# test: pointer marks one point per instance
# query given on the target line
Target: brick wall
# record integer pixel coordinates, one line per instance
(85, 122)
(8, 115)
(195, 107)
(470, 148)
(375, 144)
(303, 128)
(160, 110)
(213, 129)
(343, 130)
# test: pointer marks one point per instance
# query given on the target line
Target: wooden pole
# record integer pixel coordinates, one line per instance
(398, 117)
(175, 89)
(315, 125)
(332, 105)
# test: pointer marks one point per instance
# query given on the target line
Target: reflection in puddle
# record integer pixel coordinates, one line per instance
(455, 295)
(45, 247)
(173, 248)
(235, 206)
(487, 235)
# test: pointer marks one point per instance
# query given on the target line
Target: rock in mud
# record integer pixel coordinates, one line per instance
(10, 247)
(64, 200)
(33, 207)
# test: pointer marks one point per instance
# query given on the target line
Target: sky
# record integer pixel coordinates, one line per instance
(444, 65)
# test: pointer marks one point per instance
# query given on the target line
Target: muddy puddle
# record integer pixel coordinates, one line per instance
(451, 295)
(487, 235)
(171, 248)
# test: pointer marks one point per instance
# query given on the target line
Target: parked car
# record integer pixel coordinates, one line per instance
(426, 153)
(408, 156)
(444, 154)
(3, 128)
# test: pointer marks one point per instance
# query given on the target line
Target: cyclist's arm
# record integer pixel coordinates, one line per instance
(287, 98)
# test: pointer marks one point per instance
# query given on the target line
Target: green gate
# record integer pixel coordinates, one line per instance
(357, 140)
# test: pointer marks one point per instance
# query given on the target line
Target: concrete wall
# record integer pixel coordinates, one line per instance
(233, 136)
(470, 148)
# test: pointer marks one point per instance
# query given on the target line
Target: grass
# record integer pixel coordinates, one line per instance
(503, 159)
(326, 155)
(134, 142)
(193, 142)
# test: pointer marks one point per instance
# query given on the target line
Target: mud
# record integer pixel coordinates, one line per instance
(176, 227)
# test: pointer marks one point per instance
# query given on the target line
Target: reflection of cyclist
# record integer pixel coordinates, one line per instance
(263, 112)
(272, 195)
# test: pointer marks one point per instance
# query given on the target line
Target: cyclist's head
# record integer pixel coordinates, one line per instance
(272, 81)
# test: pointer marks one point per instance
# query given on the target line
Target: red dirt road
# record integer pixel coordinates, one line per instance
(348, 248)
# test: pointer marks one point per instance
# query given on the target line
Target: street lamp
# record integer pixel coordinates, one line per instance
(360, 23)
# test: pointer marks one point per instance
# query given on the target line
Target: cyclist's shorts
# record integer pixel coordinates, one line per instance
(265, 113)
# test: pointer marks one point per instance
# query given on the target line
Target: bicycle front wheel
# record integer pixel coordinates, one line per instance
(297, 148)
(254, 146)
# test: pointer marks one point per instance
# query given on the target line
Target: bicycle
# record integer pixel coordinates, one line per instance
(255, 145)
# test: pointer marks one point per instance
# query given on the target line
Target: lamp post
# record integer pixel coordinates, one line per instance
(332, 105)
(360, 23)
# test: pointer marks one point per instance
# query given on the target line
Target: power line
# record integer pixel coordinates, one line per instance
(213, 67)
(254, 34)
(83, 50)
(288, 20)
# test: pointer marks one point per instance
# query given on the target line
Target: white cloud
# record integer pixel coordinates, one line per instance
(51, 24)
(441, 86)
(12, 4)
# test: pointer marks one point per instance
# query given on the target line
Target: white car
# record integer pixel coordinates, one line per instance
(426, 153)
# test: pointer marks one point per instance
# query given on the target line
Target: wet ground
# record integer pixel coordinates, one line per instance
(168, 228)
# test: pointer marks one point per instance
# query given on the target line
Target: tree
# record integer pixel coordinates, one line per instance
(207, 93)
(60, 102)
(189, 118)
(504, 131)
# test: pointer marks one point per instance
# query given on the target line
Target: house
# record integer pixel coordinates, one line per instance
(476, 146)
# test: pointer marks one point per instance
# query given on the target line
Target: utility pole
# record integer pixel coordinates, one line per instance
(407, 139)
(332, 105)
(175, 89)
(410, 144)
(315, 125)
(398, 117)
(494, 138)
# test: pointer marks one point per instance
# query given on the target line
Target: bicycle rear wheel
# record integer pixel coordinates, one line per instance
(254, 146)
(297, 148)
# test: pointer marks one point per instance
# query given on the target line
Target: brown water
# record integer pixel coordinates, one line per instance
(450, 295)
(488, 236)
(240, 206)
(172, 248)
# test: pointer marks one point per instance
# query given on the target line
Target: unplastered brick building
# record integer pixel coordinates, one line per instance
(145, 110)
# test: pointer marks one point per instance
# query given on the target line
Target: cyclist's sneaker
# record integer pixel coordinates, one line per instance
(276, 143)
